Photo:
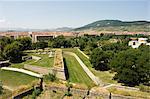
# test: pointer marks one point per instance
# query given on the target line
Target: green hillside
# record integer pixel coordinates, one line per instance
(117, 25)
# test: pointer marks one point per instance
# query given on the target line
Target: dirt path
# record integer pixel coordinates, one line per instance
(38, 69)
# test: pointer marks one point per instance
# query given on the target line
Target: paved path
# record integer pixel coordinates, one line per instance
(87, 71)
(83, 53)
(22, 71)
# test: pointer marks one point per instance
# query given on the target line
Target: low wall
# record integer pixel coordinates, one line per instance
(58, 67)
(22, 71)
(83, 92)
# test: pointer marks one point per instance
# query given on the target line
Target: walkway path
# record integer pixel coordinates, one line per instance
(22, 71)
(87, 71)
(83, 53)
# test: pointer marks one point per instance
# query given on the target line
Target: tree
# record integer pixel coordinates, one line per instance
(132, 67)
(143, 68)
(12, 52)
(4, 41)
(90, 46)
(26, 43)
(100, 59)
(41, 45)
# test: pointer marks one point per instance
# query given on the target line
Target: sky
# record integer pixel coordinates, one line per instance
(46, 14)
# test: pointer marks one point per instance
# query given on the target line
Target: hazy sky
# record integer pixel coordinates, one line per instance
(60, 13)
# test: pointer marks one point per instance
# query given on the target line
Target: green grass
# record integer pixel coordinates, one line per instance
(105, 76)
(15, 79)
(21, 65)
(44, 62)
(76, 73)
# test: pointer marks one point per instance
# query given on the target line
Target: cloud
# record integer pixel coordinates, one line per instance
(2, 20)
(4, 23)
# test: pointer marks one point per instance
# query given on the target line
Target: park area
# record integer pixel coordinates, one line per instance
(75, 73)
(105, 76)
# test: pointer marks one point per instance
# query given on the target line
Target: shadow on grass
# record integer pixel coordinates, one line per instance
(66, 69)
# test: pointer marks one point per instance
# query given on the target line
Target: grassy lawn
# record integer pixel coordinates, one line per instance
(21, 65)
(76, 73)
(15, 79)
(44, 62)
(105, 76)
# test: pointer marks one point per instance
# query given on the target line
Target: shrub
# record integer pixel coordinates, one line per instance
(51, 77)
(35, 93)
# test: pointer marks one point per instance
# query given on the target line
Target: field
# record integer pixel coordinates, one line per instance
(15, 79)
(105, 76)
(76, 73)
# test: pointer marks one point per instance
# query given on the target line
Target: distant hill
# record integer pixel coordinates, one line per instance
(117, 25)
(62, 29)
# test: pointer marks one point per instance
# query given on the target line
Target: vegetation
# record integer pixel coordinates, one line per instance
(76, 73)
(100, 62)
(108, 60)
(117, 25)
(45, 61)
(1, 88)
(133, 93)
(14, 79)
(39, 45)
(50, 77)
(12, 49)
(132, 67)
(35, 93)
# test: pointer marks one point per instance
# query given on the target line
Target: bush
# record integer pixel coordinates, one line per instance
(35, 93)
(51, 77)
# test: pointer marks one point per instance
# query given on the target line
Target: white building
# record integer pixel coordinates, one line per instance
(136, 42)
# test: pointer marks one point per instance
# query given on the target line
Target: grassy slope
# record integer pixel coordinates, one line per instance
(76, 73)
(105, 76)
(15, 79)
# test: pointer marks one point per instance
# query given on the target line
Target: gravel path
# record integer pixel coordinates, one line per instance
(88, 72)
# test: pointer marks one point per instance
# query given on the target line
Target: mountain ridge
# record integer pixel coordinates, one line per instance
(127, 25)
